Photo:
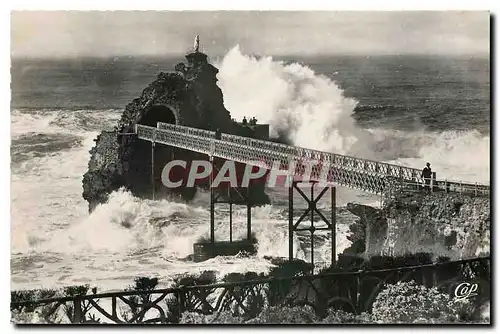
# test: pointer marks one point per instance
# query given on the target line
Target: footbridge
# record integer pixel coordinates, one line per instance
(345, 171)
(303, 166)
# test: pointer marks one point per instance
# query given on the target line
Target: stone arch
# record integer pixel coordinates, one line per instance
(159, 113)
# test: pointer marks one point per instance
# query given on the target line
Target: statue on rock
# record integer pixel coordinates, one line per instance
(188, 96)
(197, 43)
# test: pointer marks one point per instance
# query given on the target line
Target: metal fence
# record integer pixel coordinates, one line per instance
(353, 291)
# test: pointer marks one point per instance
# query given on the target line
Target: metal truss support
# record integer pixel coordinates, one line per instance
(230, 215)
(212, 205)
(294, 226)
(153, 169)
(249, 215)
(215, 199)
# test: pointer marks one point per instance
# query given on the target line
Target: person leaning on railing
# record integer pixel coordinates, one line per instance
(427, 176)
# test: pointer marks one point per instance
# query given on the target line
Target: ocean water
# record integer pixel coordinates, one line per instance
(400, 109)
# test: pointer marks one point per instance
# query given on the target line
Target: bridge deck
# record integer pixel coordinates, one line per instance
(361, 174)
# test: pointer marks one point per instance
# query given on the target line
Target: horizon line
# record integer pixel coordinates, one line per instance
(296, 56)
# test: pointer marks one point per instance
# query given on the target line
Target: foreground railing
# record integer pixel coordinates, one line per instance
(367, 175)
(352, 291)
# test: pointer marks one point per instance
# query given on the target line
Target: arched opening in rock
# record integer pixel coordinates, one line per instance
(141, 169)
(158, 114)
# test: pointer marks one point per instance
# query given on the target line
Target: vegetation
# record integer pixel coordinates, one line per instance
(391, 297)
(45, 314)
(407, 302)
(398, 303)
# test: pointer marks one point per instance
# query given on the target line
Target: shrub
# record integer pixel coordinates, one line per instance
(342, 317)
(177, 305)
(286, 315)
(205, 278)
(344, 263)
(286, 268)
(195, 318)
(20, 317)
(223, 317)
(145, 283)
(44, 313)
(407, 302)
(76, 290)
(134, 309)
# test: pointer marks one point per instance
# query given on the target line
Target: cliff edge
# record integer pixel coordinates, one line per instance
(444, 224)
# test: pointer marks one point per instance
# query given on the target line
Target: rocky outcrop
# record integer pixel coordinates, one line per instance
(446, 224)
(105, 172)
(190, 97)
(451, 225)
(368, 232)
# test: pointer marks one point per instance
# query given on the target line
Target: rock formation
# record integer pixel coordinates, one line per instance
(368, 232)
(190, 97)
(452, 225)
(445, 224)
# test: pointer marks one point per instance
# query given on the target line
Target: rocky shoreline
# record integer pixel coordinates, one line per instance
(444, 224)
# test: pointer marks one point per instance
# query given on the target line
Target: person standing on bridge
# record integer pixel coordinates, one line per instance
(427, 176)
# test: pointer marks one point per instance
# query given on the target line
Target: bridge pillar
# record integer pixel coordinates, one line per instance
(204, 250)
(212, 205)
(294, 226)
(230, 215)
(433, 181)
(153, 169)
(249, 215)
(214, 199)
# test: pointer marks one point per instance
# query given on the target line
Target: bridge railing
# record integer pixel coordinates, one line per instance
(364, 174)
(301, 154)
(180, 136)
(354, 289)
(187, 130)
(438, 186)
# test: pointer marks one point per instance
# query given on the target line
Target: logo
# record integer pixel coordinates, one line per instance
(179, 173)
(465, 290)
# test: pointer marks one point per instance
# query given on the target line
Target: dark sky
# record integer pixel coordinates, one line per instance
(92, 33)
